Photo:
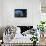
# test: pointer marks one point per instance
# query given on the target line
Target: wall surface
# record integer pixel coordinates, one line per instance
(33, 12)
(0, 12)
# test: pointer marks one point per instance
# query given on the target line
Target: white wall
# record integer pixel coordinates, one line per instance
(1, 12)
(33, 12)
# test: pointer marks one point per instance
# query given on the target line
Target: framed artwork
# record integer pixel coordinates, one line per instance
(20, 13)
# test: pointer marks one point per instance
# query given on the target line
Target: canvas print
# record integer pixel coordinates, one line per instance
(20, 13)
